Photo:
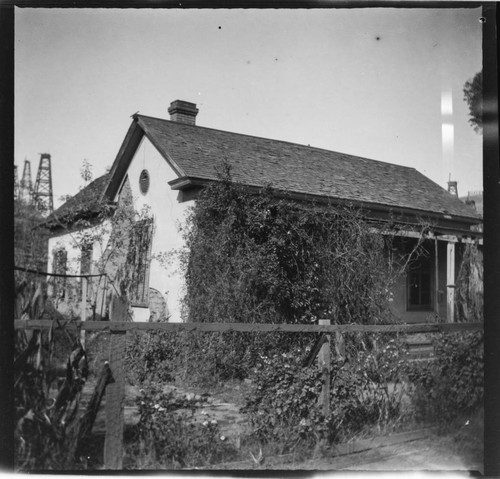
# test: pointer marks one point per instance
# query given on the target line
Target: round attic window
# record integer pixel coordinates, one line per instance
(144, 181)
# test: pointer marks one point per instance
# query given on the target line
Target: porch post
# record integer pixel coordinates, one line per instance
(450, 282)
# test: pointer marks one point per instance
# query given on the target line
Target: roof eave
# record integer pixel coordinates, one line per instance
(123, 158)
(186, 182)
(137, 130)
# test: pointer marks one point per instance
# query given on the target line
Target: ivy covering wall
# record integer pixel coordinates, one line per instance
(256, 258)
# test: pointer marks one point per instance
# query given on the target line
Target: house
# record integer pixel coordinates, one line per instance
(475, 199)
(163, 164)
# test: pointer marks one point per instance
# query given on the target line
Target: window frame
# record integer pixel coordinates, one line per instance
(59, 266)
(144, 182)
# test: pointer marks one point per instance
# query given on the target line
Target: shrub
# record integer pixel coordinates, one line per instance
(167, 438)
(451, 386)
(202, 359)
(153, 356)
(284, 407)
(46, 413)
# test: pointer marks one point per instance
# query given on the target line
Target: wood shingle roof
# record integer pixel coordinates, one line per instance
(194, 152)
(88, 200)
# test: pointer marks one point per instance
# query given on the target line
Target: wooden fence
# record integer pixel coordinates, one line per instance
(115, 390)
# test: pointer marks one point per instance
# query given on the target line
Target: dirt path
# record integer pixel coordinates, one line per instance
(422, 455)
(429, 454)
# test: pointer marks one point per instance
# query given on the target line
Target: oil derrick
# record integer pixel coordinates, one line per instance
(26, 187)
(16, 183)
(42, 194)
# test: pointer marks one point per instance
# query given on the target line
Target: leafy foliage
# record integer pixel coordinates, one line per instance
(30, 240)
(254, 258)
(452, 385)
(473, 95)
(46, 413)
(153, 356)
(469, 286)
(284, 407)
(201, 358)
(166, 437)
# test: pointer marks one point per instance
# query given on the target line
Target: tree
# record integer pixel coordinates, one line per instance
(30, 240)
(473, 95)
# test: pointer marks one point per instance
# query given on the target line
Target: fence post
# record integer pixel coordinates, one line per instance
(115, 390)
(324, 366)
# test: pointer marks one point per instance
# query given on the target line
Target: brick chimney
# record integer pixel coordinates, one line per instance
(183, 112)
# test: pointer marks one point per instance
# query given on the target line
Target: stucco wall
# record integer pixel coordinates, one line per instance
(168, 214)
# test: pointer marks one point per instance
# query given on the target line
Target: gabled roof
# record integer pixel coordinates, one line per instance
(194, 152)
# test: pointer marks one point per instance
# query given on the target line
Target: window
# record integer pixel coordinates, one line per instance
(59, 266)
(86, 266)
(138, 259)
(144, 181)
(59, 261)
(86, 259)
(420, 285)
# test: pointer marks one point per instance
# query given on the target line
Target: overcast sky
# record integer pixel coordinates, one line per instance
(376, 82)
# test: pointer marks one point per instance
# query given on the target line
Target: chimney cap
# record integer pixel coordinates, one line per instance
(181, 106)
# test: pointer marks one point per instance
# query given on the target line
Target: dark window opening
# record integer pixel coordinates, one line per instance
(59, 266)
(144, 181)
(420, 285)
(86, 259)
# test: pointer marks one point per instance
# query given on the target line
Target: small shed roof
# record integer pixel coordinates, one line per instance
(89, 200)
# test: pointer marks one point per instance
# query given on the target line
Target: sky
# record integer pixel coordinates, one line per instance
(381, 83)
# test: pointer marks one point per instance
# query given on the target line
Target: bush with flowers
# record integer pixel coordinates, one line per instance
(166, 436)
(284, 406)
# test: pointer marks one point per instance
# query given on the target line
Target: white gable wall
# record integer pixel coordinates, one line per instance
(168, 214)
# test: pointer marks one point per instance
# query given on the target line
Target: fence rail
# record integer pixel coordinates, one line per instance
(116, 326)
(115, 392)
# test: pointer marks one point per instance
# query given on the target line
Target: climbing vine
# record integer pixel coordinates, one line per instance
(257, 258)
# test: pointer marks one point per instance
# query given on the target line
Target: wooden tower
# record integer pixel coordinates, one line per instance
(42, 194)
